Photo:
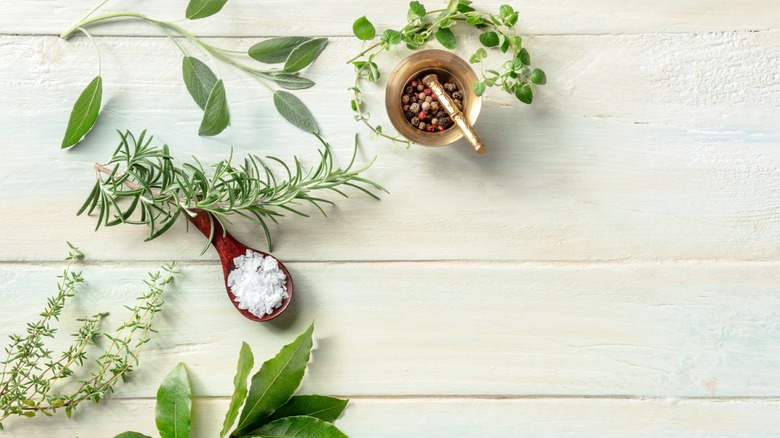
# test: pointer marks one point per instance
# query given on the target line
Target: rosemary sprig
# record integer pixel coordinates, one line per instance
(142, 178)
(30, 371)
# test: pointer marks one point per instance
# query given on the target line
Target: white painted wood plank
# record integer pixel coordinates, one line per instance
(677, 329)
(639, 148)
(312, 17)
(432, 418)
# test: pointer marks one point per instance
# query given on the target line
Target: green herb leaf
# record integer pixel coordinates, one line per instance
(298, 427)
(292, 81)
(276, 382)
(489, 39)
(85, 113)
(512, 19)
(446, 38)
(538, 77)
(391, 37)
(203, 8)
(245, 363)
(505, 11)
(130, 434)
(303, 55)
(417, 8)
(215, 116)
(363, 29)
(275, 50)
(199, 79)
(478, 56)
(479, 88)
(295, 111)
(318, 406)
(174, 403)
(525, 93)
(524, 56)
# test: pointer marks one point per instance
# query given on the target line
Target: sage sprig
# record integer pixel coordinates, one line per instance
(206, 88)
(497, 31)
(270, 408)
(30, 370)
(141, 178)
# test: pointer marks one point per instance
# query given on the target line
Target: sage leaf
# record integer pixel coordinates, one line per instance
(199, 79)
(174, 402)
(318, 406)
(295, 111)
(363, 29)
(276, 382)
(489, 39)
(215, 116)
(275, 50)
(303, 55)
(298, 427)
(245, 363)
(292, 81)
(446, 38)
(85, 113)
(130, 434)
(203, 8)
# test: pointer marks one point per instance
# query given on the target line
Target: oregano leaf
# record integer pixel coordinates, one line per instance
(199, 79)
(538, 77)
(524, 56)
(215, 116)
(174, 403)
(203, 8)
(275, 50)
(391, 36)
(525, 93)
(85, 113)
(295, 111)
(479, 88)
(417, 8)
(446, 38)
(363, 29)
(303, 55)
(489, 39)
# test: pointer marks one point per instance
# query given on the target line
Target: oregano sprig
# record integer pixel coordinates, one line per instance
(497, 31)
(141, 185)
(206, 88)
(33, 380)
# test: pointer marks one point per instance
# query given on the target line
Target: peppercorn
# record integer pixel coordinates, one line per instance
(409, 115)
(406, 108)
(421, 96)
(440, 114)
(458, 104)
(457, 95)
(428, 99)
(425, 106)
(420, 87)
(449, 86)
(421, 125)
(422, 115)
(415, 121)
(414, 84)
(430, 128)
(434, 107)
(405, 99)
(427, 91)
(415, 108)
(445, 121)
(434, 122)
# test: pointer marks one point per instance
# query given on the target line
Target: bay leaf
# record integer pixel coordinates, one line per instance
(245, 363)
(276, 382)
(298, 427)
(174, 403)
(318, 406)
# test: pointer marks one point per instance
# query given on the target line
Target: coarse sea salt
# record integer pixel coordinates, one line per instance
(257, 283)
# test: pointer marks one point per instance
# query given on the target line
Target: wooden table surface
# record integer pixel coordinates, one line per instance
(610, 268)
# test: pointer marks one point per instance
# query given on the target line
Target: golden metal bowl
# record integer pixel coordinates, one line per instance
(449, 68)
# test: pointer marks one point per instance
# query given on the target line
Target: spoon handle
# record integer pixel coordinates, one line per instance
(432, 81)
(226, 245)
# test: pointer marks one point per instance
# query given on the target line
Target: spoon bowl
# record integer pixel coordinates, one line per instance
(228, 249)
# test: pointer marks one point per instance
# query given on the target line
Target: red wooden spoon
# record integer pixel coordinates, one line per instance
(229, 248)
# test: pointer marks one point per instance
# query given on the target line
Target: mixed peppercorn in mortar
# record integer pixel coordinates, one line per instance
(422, 108)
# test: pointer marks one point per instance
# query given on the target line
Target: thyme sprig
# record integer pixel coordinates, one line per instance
(516, 76)
(31, 371)
(141, 178)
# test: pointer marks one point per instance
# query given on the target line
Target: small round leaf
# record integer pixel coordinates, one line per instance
(363, 29)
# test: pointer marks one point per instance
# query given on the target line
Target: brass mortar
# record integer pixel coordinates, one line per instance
(449, 68)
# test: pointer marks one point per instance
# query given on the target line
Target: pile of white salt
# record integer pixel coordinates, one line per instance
(257, 283)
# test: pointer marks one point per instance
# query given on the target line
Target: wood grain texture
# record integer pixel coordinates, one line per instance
(586, 173)
(314, 17)
(609, 268)
(674, 330)
(446, 418)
